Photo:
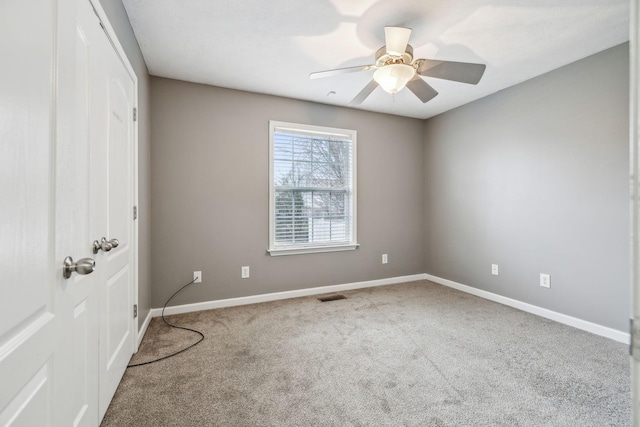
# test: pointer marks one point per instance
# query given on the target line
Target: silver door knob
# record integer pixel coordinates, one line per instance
(103, 244)
(114, 242)
(83, 266)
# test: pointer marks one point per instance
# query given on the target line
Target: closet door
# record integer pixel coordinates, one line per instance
(67, 179)
(36, 309)
(96, 194)
(114, 121)
(98, 200)
(106, 94)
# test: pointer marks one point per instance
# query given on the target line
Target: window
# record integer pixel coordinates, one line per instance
(312, 189)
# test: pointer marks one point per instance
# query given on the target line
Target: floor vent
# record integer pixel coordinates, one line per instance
(332, 298)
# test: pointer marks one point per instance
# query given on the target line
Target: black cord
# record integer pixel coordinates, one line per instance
(173, 326)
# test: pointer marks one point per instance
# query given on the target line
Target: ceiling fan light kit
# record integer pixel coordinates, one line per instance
(394, 77)
(395, 69)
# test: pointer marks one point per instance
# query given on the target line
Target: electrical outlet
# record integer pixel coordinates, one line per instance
(245, 272)
(197, 277)
(494, 269)
(385, 259)
(545, 280)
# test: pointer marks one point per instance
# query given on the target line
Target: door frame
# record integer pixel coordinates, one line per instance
(113, 38)
(634, 178)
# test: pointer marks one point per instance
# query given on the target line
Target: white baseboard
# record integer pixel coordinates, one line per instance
(584, 325)
(143, 329)
(231, 302)
(594, 328)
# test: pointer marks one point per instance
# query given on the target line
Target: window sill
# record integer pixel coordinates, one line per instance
(312, 249)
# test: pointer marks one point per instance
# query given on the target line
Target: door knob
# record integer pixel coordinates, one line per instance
(114, 242)
(104, 245)
(83, 266)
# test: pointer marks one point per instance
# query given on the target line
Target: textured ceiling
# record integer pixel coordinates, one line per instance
(271, 46)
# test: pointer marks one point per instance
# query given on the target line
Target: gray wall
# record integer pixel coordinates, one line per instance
(120, 23)
(210, 194)
(535, 179)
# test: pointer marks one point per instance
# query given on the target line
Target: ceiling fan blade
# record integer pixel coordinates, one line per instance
(421, 89)
(364, 93)
(331, 73)
(463, 72)
(396, 39)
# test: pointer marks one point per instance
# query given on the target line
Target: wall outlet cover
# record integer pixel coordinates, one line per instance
(197, 277)
(494, 269)
(545, 280)
(385, 258)
(245, 272)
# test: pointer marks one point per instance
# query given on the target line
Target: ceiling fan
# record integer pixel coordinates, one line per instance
(395, 69)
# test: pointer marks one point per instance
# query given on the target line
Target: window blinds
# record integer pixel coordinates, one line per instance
(313, 188)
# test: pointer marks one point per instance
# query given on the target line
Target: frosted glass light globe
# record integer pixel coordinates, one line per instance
(394, 77)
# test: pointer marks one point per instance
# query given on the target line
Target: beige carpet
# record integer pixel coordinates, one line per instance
(413, 354)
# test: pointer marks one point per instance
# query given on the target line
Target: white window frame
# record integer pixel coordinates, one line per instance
(311, 248)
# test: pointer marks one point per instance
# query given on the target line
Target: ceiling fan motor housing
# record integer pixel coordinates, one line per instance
(383, 58)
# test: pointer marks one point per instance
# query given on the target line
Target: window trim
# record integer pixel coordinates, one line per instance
(312, 248)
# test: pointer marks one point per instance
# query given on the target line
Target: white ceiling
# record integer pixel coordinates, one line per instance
(271, 46)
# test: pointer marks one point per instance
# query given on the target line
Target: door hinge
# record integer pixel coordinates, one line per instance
(97, 16)
(135, 114)
(634, 339)
(135, 212)
(135, 310)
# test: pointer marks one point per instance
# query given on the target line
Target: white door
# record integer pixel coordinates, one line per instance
(36, 307)
(100, 207)
(116, 140)
(109, 128)
(81, 203)
(60, 190)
